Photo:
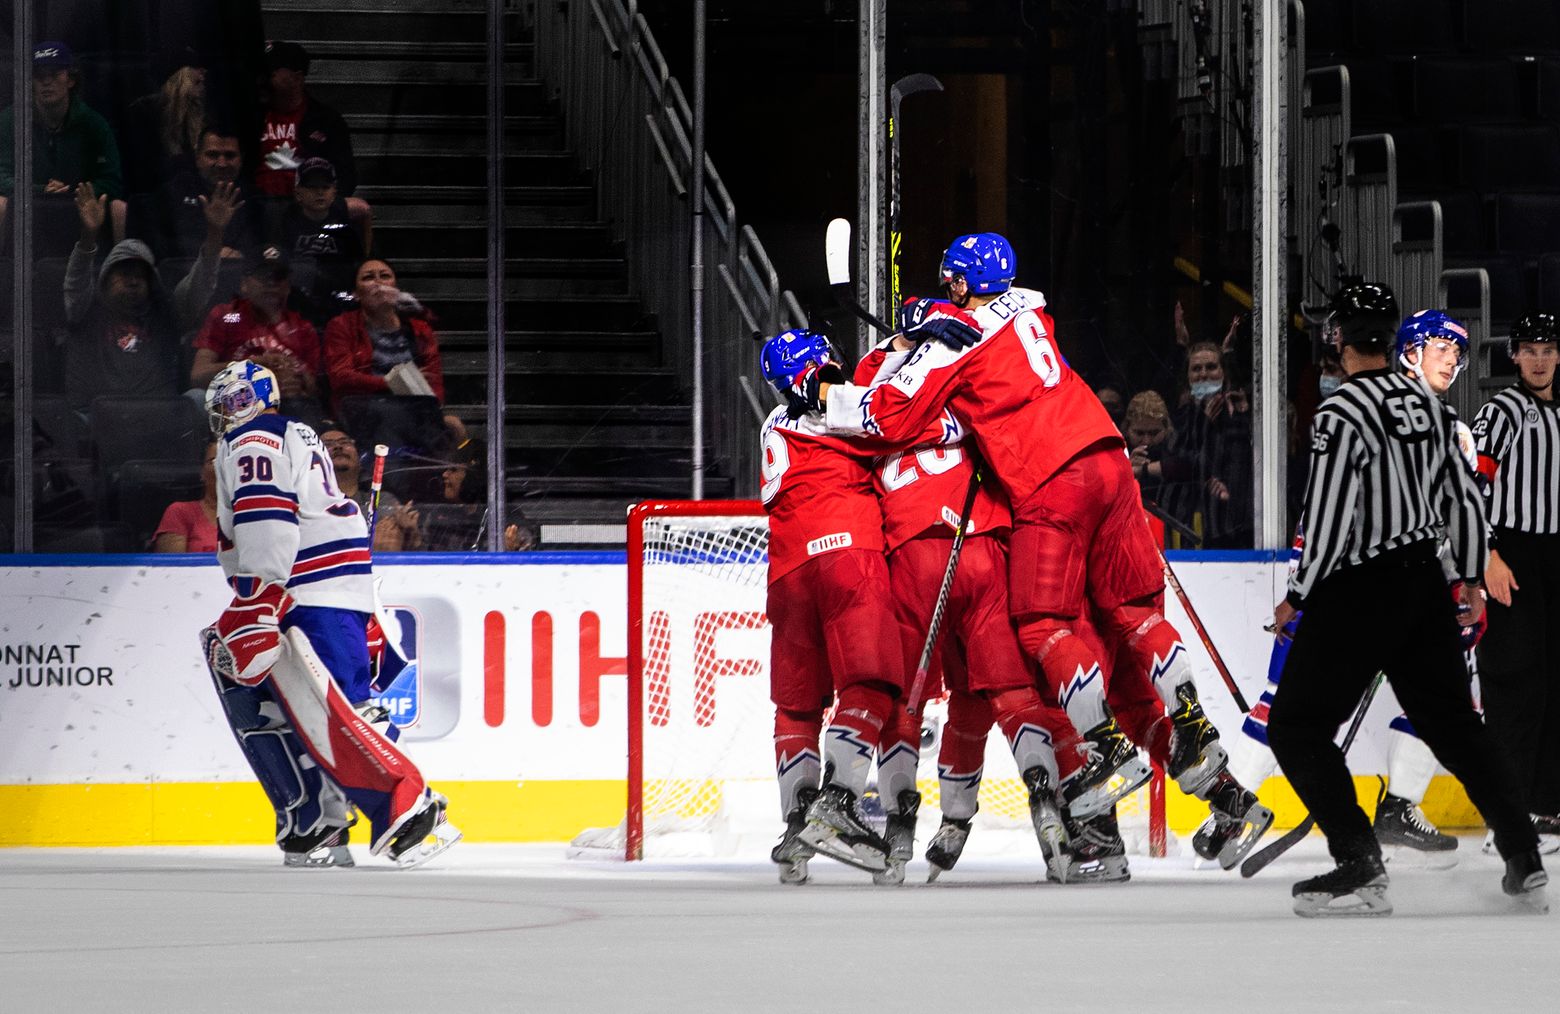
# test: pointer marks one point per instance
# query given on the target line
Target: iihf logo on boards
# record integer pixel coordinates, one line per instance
(402, 698)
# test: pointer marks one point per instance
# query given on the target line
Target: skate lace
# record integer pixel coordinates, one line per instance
(1416, 819)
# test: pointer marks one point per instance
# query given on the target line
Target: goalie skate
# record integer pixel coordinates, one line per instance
(791, 854)
(836, 829)
(1238, 822)
(1046, 816)
(946, 846)
(1111, 771)
(900, 835)
(424, 835)
(319, 851)
(1356, 887)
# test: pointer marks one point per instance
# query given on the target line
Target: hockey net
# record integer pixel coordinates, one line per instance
(701, 778)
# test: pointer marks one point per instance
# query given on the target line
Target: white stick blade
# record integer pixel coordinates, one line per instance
(836, 251)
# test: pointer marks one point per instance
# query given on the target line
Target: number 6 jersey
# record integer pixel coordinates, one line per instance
(281, 516)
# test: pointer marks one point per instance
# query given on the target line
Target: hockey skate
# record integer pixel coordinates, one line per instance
(325, 848)
(1111, 771)
(900, 835)
(1047, 818)
(836, 828)
(1356, 887)
(1237, 823)
(1525, 880)
(1096, 853)
(1403, 831)
(1548, 829)
(791, 854)
(1196, 758)
(946, 846)
(424, 835)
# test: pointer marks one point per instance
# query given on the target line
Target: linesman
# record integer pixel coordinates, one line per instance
(1386, 481)
(1518, 438)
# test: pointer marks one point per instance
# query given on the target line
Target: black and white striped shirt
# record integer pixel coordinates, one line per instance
(1386, 473)
(1518, 437)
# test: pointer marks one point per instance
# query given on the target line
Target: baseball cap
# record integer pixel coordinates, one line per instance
(282, 54)
(266, 261)
(315, 172)
(53, 54)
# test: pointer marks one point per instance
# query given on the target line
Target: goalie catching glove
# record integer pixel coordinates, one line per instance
(249, 634)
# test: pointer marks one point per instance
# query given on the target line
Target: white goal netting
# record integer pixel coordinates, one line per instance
(703, 731)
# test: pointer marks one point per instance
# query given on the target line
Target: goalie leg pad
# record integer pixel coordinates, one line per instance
(377, 778)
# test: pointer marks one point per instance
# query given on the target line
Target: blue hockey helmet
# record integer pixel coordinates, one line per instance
(785, 355)
(985, 259)
(1420, 328)
(239, 392)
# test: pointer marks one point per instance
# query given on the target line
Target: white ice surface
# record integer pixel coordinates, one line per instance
(519, 928)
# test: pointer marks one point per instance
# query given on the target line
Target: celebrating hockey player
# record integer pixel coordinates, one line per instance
(1079, 536)
(291, 652)
(1385, 484)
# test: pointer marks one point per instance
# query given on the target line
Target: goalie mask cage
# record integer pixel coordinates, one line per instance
(700, 725)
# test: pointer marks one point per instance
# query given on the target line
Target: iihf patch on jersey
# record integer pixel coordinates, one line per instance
(951, 519)
(828, 543)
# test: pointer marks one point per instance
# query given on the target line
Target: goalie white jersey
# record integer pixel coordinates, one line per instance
(280, 516)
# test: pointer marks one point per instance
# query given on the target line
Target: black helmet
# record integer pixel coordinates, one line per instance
(1531, 327)
(1363, 314)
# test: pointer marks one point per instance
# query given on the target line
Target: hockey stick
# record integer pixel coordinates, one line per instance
(923, 668)
(908, 85)
(380, 450)
(1202, 632)
(1259, 860)
(836, 255)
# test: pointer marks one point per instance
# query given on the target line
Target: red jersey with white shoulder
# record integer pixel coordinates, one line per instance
(922, 488)
(1028, 411)
(280, 516)
(818, 493)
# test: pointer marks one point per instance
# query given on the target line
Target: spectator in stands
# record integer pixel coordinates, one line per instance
(1162, 472)
(314, 231)
(172, 220)
(1115, 404)
(1214, 429)
(164, 128)
(190, 526)
(71, 143)
(258, 325)
(389, 331)
(460, 523)
(299, 126)
(396, 529)
(122, 334)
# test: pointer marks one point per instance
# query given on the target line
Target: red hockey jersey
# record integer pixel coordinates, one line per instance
(818, 492)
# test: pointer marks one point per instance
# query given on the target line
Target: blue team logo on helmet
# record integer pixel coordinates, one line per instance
(986, 261)
(788, 352)
(1421, 328)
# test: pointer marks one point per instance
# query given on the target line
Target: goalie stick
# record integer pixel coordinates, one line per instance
(1259, 860)
(380, 451)
(923, 668)
(1202, 632)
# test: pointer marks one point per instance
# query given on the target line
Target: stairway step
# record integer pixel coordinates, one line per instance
(533, 168)
(380, 134)
(559, 351)
(428, 69)
(466, 311)
(426, 97)
(468, 238)
(382, 21)
(457, 270)
(474, 197)
(328, 53)
(388, 215)
(465, 379)
(625, 490)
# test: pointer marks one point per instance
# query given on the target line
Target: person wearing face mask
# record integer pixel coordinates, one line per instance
(1214, 431)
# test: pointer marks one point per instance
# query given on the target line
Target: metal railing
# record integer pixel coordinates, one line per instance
(628, 119)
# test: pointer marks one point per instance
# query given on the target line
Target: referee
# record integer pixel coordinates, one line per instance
(1386, 482)
(1518, 438)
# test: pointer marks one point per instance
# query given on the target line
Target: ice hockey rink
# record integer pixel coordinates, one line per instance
(521, 928)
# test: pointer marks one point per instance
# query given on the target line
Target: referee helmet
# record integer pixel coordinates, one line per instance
(1364, 315)
(1531, 327)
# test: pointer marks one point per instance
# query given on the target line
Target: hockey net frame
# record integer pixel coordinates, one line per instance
(668, 798)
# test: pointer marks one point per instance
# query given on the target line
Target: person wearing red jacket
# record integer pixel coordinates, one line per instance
(1080, 540)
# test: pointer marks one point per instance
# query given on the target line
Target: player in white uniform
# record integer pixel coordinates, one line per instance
(291, 651)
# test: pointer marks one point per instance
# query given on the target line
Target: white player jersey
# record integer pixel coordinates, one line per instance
(281, 516)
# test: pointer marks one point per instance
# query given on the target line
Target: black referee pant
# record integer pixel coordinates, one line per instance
(1392, 614)
(1519, 668)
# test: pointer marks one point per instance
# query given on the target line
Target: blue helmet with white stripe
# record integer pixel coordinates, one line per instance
(239, 392)
(787, 353)
(1421, 328)
(985, 259)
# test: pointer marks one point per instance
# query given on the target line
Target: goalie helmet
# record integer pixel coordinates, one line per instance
(239, 392)
(787, 353)
(985, 259)
(1531, 327)
(1364, 315)
(1419, 328)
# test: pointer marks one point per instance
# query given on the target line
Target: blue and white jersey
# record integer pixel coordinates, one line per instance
(281, 516)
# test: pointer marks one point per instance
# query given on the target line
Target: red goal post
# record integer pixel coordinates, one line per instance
(700, 765)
